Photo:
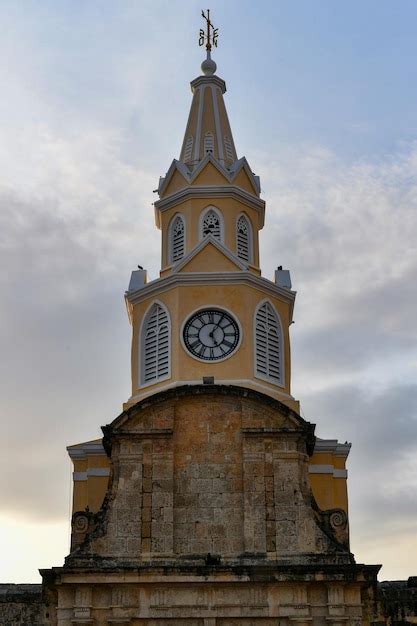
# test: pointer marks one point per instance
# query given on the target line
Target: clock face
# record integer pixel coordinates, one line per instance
(211, 334)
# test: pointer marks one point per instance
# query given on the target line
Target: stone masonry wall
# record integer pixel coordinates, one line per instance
(21, 605)
(207, 473)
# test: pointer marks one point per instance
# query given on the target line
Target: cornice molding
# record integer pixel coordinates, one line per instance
(211, 278)
(83, 450)
(333, 446)
(229, 174)
(218, 389)
(210, 191)
(208, 80)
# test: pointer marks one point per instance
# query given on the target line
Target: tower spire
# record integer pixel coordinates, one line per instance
(208, 130)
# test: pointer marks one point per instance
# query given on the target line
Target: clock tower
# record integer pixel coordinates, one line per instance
(210, 316)
(209, 501)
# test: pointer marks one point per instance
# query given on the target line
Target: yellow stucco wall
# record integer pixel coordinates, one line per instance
(210, 257)
(191, 210)
(239, 299)
(90, 490)
(329, 490)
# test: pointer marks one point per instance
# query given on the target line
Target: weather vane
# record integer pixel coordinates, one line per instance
(210, 36)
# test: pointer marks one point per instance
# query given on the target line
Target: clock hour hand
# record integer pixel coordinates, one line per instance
(211, 333)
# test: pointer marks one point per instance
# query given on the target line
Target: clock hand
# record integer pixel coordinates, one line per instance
(211, 334)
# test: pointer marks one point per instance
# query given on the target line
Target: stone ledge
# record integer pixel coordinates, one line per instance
(15, 592)
(272, 573)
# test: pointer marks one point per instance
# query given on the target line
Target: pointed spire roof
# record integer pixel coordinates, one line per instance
(208, 130)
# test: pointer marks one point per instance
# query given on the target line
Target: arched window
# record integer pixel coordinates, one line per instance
(244, 238)
(155, 345)
(176, 236)
(268, 344)
(211, 223)
(208, 143)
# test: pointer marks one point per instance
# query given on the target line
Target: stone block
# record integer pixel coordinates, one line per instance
(146, 530)
(147, 471)
(133, 546)
(161, 499)
(147, 485)
(146, 500)
(146, 544)
(269, 484)
(146, 514)
(270, 513)
(163, 484)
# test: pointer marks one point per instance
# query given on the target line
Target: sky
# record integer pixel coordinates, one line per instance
(322, 102)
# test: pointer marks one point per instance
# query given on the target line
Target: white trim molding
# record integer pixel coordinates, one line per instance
(161, 285)
(244, 216)
(92, 471)
(170, 242)
(220, 151)
(81, 451)
(327, 469)
(333, 446)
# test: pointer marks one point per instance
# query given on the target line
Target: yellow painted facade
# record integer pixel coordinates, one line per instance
(210, 274)
(192, 209)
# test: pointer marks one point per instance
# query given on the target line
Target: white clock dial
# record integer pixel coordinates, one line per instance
(211, 334)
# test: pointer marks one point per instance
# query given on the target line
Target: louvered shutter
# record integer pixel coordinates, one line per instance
(188, 148)
(211, 225)
(243, 238)
(155, 345)
(208, 143)
(177, 239)
(268, 344)
(228, 148)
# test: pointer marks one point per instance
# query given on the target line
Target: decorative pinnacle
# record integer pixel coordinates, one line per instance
(209, 38)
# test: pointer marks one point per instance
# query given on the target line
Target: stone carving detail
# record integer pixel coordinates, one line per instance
(80, 523)
(80, 526)
(335, 524)
(338, 520)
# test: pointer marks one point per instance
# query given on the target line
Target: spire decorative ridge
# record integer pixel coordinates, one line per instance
(208, 133)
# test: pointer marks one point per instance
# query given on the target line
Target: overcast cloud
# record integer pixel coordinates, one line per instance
(81, 149)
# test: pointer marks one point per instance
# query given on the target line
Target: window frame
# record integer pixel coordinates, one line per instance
(260, 375)
(250, 238)
(170, 251)
(203, 214)
(141, 346)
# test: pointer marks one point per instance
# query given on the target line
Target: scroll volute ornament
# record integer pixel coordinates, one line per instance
(80, 526)
(335, 523)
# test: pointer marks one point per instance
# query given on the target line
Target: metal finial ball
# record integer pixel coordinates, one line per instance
(208, 66)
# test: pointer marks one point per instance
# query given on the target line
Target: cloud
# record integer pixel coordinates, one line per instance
(348, 233)
(69, 238)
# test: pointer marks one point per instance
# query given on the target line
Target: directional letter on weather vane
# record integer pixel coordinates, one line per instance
(210, 37)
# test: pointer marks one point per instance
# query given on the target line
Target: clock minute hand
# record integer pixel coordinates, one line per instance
(211, 334)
